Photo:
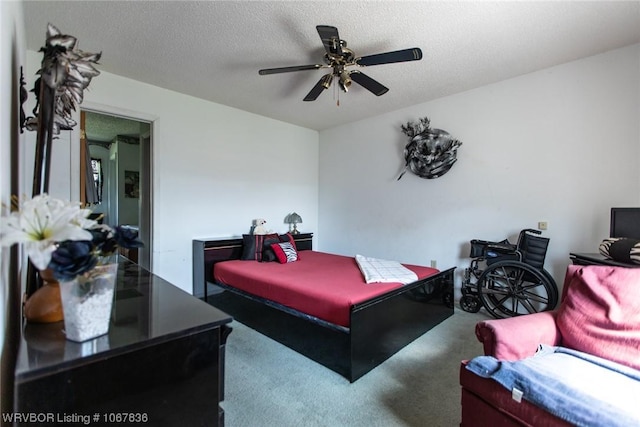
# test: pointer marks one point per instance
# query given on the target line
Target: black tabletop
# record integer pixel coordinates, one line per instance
(147, 310)
(598, 259)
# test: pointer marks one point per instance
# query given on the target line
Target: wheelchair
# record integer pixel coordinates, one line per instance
(509, 280)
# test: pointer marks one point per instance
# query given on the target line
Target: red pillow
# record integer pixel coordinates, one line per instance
(600, 313)
(285, 252)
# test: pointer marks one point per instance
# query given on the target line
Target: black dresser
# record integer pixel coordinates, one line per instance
(161, 364)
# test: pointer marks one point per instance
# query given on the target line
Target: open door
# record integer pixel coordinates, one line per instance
(123, 148)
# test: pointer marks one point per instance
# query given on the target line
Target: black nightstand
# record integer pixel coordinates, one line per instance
(304, 241)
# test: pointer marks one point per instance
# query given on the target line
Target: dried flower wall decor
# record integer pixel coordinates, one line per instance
(430, 153)
(65, 73)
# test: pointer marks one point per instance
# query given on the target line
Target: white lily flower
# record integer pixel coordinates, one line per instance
(81, 219)
(40, 223)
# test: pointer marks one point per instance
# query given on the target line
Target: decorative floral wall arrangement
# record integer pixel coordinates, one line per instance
(65, 73)
(430, 153)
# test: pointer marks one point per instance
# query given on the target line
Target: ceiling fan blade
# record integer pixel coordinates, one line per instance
(266, 71)
(368, 83)
(330, 39)
(413, 54)
(322, 84)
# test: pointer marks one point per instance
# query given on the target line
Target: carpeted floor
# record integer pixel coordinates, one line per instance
(267, 384)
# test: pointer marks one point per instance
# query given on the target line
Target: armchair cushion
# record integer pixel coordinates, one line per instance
(486, 402)
(518, 337)
(600, 313)
(578, 387)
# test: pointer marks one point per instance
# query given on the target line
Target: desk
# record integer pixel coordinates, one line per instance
(597, 259)
(162, 359)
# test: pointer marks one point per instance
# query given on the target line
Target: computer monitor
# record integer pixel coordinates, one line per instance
(625, 222)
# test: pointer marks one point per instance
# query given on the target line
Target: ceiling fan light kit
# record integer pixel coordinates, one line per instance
(338, 58)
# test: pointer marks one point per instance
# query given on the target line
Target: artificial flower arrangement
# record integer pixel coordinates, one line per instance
(59, 236)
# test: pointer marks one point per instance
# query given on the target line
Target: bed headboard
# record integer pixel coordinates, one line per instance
(206, 252)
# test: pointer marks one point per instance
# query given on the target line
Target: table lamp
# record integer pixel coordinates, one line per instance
(293, 218)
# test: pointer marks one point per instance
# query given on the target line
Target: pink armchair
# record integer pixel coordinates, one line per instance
(599, 314)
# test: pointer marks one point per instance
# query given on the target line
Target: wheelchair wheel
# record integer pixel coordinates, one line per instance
(513, 288)
(470, 303)
(554, 287)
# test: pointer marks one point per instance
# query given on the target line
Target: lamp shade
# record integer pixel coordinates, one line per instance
(294, 218)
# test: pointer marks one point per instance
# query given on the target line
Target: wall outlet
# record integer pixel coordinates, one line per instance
(434, 264)
(542, 225)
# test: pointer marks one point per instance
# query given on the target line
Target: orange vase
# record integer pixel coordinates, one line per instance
(45, 304)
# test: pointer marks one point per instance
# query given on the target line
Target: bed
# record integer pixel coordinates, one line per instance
(351, 333)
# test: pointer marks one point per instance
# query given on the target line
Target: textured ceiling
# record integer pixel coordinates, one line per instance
(104, 128)
(213, 50)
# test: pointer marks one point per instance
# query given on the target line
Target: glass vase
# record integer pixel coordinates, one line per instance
(87, 302)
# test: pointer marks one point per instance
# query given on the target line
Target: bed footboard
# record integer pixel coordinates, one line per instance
(383, 326)
(379, 328)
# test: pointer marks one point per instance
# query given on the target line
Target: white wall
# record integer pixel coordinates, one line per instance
(215, 168)
(561, 145)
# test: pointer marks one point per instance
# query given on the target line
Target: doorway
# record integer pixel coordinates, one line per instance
(115, 174)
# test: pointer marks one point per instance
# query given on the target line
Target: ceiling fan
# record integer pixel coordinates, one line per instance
(338, 58)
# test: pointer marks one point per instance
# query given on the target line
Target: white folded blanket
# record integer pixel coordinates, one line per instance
(377, 270)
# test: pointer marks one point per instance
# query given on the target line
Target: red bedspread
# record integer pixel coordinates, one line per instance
(319, 284)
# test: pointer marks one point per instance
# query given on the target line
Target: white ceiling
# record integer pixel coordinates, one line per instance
(214, 49)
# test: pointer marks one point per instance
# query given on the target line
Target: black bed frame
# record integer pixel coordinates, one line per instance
(379, 327)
